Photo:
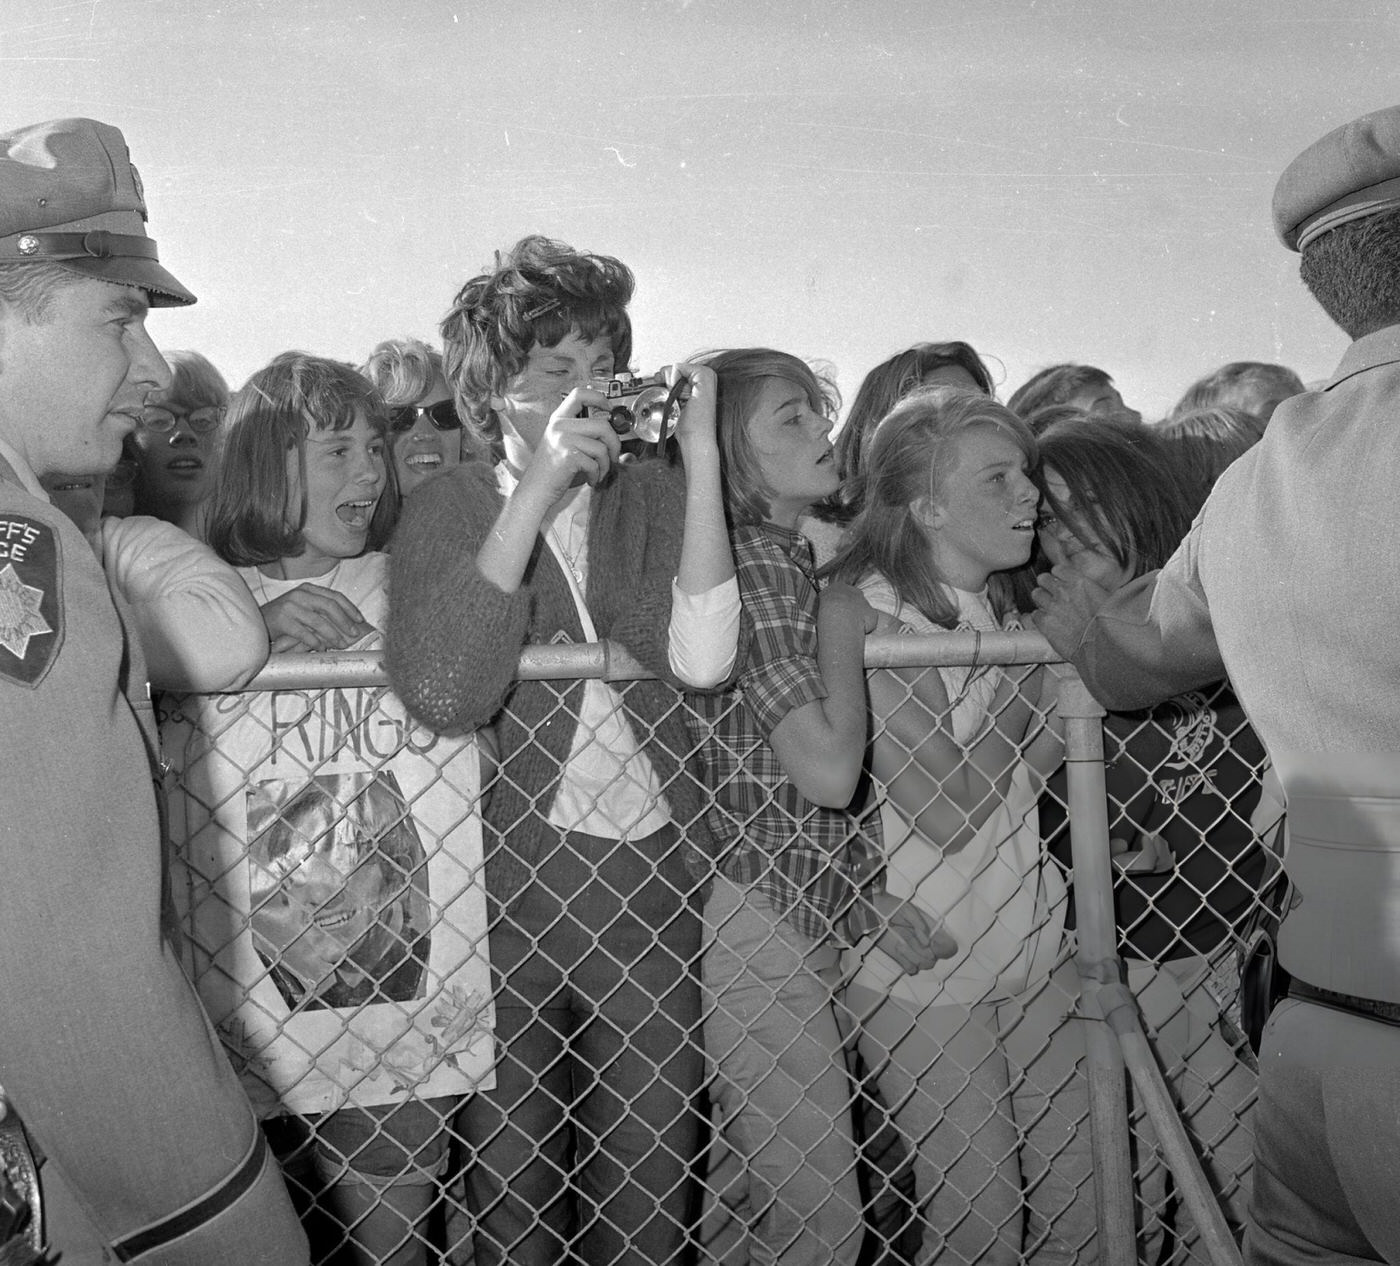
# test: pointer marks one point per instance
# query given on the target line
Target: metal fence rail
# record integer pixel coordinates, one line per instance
(328, 858)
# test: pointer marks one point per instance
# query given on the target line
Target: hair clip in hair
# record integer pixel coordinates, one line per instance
(547, 306)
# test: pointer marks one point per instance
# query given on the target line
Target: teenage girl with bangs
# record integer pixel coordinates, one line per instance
(963, 1052)
(1188, 815)
(799, 871)
(327, 854)
(952, 364)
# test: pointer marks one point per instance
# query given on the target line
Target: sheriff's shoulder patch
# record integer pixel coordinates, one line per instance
(31, 599)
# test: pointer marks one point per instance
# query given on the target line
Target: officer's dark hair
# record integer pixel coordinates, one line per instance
(30, 288)
(1353, 272)
(535, 296)
(252, 518)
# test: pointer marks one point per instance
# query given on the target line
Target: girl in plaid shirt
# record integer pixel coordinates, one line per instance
(799, 869)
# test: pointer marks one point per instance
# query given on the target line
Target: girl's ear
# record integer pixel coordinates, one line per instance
(928, 513)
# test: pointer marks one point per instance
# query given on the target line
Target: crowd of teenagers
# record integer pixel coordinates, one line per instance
(761, 957)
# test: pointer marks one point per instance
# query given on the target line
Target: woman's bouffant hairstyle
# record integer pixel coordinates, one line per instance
(535, 295)
(1125, 489)
(1254, 386)
(1057, 384)
(404, 369)
(741, 373)
(910, 458)
(252, 519)
(1353, 272)
(1204, 442)
(881, 389)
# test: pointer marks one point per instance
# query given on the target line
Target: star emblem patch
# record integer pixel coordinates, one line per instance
(31, 610)
(20, 615)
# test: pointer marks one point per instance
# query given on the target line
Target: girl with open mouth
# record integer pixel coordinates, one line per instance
(345, 841)
(968, 1055)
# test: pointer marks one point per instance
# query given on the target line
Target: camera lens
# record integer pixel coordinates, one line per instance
(649, 414)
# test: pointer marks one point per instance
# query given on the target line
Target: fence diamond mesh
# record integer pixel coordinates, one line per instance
(330, 880)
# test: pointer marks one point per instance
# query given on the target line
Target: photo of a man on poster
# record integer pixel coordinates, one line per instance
(339, 901)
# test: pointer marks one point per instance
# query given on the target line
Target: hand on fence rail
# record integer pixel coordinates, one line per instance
(313, 618)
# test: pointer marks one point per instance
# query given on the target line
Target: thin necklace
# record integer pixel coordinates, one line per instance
(575, 530)
(262, 581)
(573, 558)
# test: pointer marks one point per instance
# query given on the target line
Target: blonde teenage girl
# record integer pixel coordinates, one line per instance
(962, 1052)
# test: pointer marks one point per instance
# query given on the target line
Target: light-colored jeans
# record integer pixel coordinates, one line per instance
(992, 1100)
(780, 1082)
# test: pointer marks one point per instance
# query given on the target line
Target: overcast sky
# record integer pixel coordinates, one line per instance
(1047, 179)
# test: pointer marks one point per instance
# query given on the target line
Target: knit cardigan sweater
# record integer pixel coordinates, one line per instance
(453, 644)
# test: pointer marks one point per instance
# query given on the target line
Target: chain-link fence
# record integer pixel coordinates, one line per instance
(1071, 1086)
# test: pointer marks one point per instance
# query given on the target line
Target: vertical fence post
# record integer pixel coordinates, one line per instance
(1191, 1182)
(1098, 963)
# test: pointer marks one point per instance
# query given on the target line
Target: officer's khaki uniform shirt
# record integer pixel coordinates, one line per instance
(152, 1152)
(1289, 582)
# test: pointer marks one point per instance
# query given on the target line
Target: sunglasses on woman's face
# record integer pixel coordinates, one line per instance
(442, 415)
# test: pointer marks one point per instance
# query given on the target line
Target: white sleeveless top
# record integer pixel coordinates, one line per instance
(1000, 897)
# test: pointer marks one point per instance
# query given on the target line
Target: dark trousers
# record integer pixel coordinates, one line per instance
(586, 1145)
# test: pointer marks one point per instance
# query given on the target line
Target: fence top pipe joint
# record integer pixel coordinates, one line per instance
(1075, 700)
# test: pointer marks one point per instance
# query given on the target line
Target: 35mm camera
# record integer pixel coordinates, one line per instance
(644, 406)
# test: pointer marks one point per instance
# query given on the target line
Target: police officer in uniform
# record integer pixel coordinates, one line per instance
(147, 1150)
(1289, 582)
